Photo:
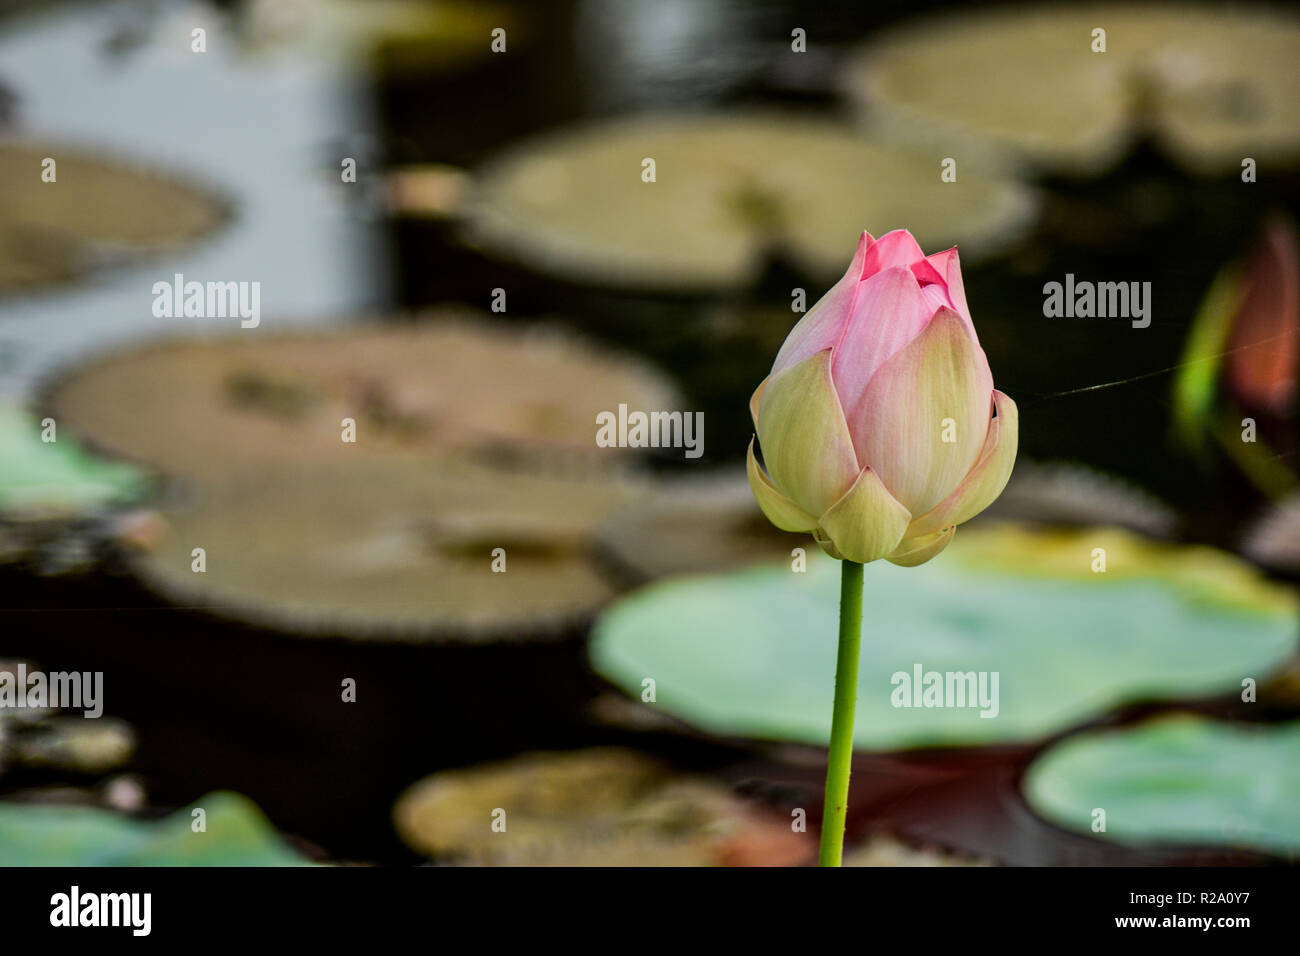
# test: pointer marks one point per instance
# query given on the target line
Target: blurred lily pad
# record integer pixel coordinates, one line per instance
(93, 214)
(1210, 86)
(1066, 493)
(416, 35)
(603, 806)
(752, 653)
(883, 850)
(1184, 779)
(728, 191)
(77, 745)
(59, 478)
(1274, 539)
(689, 527)
(250, 401)
(389, 549)
(237, 834)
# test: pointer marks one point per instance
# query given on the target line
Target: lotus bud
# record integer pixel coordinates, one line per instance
(879, 425)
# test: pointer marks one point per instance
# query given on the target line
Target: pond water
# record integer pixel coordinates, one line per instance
(265, 128)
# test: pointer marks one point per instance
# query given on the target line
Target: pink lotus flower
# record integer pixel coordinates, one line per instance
(879, 424)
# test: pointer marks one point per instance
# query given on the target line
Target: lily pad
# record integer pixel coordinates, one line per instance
(59, 478)
(688, 527)
(1066, 493)
(428, 35)
(389, 550)
(883, 850)
(93, 213)
(237, 834)
(604, 806)
(1274, 539)
(250, 400)
(752, 653)
(1210, 86)
(77, 745)
(1177, 779)
(728, 191)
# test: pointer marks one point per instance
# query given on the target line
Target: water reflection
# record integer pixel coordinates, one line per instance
(267, 130)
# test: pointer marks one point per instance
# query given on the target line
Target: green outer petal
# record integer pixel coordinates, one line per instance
(868, 522)
(806, 442)
(913, 551)
(898, 425)
(827, 544)
(981, 487)
(779, 509)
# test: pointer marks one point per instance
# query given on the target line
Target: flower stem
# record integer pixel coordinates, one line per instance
(840, 757)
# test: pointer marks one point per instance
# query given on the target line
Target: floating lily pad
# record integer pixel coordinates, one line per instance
(752, 653)
(727, 192)
(688, 527)
(1177, 779)
(389, 549)
(22, 717)
(1064, 493)
(883, 850)
(596, 807)
(1274, 539)
(93, 213)
(59, 478)
(1211, 86)
(440, 37)
(207, 409)
(237, 834)
(77, 745)
(415, 34)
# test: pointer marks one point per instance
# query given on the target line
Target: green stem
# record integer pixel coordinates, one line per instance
(840, 757)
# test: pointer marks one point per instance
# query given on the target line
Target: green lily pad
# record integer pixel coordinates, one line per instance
(57, 477)
(753, 653)
(1184, 779)
(237, 834)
